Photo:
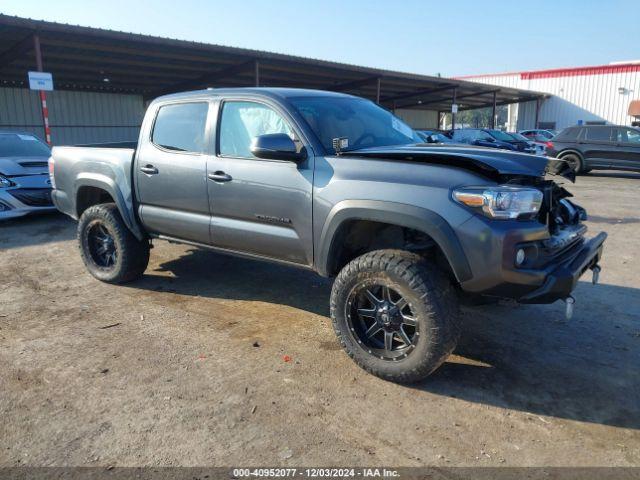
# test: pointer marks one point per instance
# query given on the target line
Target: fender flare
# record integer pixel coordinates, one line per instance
(400, 214)
(124, 201)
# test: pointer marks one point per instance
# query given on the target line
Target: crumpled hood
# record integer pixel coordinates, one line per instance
(490, 161)
(23, 166)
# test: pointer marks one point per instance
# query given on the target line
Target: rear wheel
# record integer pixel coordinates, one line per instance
(109, 250)
(395, 314)
(575, 162)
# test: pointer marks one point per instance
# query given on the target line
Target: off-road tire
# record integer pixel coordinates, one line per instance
(132, 254)
(431, 297)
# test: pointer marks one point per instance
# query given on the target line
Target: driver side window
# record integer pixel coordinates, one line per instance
(240, 122)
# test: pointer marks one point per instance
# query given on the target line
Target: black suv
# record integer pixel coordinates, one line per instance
(598, 146)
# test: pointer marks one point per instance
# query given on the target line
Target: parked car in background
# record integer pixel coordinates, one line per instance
(539, 135)
(487, 137)
(540, 147)
(433, 136)
(24, 175)
(598, 147)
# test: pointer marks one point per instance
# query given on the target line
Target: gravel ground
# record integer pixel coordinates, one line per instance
(213, 360)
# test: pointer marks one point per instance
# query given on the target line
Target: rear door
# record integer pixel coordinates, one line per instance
(597, 146)
(261, 207)
(170, 171)
(627, 153)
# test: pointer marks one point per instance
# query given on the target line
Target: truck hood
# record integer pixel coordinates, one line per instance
(487, 161)
(23, 166)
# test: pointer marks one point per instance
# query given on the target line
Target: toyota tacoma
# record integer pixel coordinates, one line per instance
(336, 184)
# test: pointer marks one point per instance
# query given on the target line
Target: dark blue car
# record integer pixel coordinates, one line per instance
(433, 136)
(486, 137)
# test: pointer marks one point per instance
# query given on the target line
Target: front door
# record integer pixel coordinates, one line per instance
(261, 207)
(171, 169)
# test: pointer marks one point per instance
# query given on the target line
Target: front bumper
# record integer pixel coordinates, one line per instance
(491, 248)
(17, 202)
(561, 279)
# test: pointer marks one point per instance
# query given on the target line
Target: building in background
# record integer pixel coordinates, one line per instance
(577, 96)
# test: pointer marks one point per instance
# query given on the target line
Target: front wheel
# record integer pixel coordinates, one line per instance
(395, 314)
(109, 250)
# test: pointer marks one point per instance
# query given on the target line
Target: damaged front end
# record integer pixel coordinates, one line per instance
(566, 254)
(536, 256)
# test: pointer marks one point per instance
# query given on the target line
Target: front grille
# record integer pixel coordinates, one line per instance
(34, 197)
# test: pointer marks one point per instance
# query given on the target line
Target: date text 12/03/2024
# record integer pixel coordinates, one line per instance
(314, 473)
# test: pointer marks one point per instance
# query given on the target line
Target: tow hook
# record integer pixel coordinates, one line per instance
(569, 302)
(596, 274)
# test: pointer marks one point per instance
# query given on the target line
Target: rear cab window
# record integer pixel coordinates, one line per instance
(181, 127)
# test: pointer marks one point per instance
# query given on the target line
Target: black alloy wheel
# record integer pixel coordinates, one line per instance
(381, 321)
(102, 246)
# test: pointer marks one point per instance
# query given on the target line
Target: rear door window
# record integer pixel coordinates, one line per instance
(598, 134)
(181, 127)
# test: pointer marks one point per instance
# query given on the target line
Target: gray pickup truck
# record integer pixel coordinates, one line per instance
(333, 183)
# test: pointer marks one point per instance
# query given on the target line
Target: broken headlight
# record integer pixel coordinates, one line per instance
(502, 202)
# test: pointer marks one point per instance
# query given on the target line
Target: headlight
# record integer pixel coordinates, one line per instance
(5, 182)
(52, 177)
(503, 202)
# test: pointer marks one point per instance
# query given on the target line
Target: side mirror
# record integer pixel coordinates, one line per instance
(433, 139)
(277, 146)
(491, 139)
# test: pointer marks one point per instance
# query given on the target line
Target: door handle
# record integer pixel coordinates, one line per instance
(149, 169)
(219, 177)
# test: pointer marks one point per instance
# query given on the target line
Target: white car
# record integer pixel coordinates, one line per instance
(25, 186)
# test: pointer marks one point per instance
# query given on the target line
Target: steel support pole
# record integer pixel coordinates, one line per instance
(378, 91)
(493, 112)
(453, 115)
(43, 95)
(257, 73)
(537, 112)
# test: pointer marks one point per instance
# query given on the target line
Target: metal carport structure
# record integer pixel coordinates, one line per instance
(98, 60)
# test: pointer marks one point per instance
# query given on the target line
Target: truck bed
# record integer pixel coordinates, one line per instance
(107, 166)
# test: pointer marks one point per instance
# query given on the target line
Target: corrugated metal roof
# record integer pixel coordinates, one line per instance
(85, 58)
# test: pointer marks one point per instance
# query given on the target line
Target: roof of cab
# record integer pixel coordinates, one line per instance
(273, 92)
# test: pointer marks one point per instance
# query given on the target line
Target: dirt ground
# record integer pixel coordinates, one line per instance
(187, 366)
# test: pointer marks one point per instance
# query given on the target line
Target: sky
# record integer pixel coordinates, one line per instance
(450, 38)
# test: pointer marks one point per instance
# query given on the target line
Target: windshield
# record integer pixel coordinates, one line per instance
(362, 122)
(500, 135)
(19, 145)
